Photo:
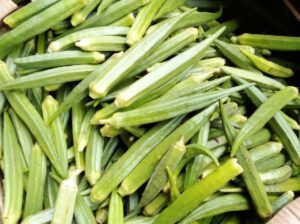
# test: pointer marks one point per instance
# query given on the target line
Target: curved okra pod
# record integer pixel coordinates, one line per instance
(164, 73)
(204, 188)
(142, 172)
(102, 43)
(218, 205)
(250, 173)
(36, 182)
(93, 156)
(174, 191)
(271, 42)
(159, 177)
(69, 40)
(282, 201)
(171, 108)
(131, 58)
(276, 176)
(278, 123)
(273, 162)
(28, 114)
(40, 22)
(49, 106)
(13, 184)
(200, 149)
(131, 158)
(263, 114)
(269, 67)
(79, 16)
(143, 21)
(56, 59)
(261, 80)
(24, 13)
(234, 55)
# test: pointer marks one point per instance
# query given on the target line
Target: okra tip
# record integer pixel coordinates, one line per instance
(83, 43)
(234, 39)
(98, 57)
(124, 189)
(193, 31)
(54, 47)
(132, 38)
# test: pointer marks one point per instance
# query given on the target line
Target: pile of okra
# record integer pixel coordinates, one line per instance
(144, 111)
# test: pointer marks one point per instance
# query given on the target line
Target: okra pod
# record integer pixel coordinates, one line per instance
(292, 184)
(41, 22)
(282, 201)
(159, 177)
(82, 212)
(261, 80)
(109, 150)
(250, 174)
(56, 59)
(85, 130)
(115, 210)
(169, 6)
(126, 21)
(271, 42)
(273, 162)
(44, 216)
(24, 13)
(265, 151)
(136, 153)
(79, 16)
(279, 125)
(104, 5)
(269, 67)
(143, 21)
(66, 199)
(166, 49)
(263, 114)
(193, 196)
(13, 184)
(102, 43)
(52, 76)
(69, 40)
(93, 156)
(36, 182)
(218, 205)
(276, 176)
(49, 106)
(156, 205)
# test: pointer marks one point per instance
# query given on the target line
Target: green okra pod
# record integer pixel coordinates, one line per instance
(264, 113)
(282, 201)
(273, 162)
(218, 205)
(269, 67)
(279, 125)
(115, 210)
(56, 59)
(193, 196)
(102, 43)
(49, 106)
(143, 21)
(79, 16)
(104, 4)
(69, 40)
(250, 174)
(159, 177)
(275, 176)
(24, 13)
(265, 151)
(94, 151)
(271, 42)
(36, 182)
(82, 212)
(66, 199)
(156, 205)
(13, 184)
(126, 21)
